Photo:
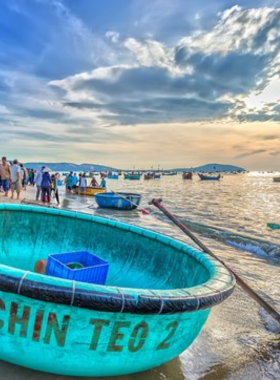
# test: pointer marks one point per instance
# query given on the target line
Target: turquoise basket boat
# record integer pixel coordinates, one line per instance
(158, 295)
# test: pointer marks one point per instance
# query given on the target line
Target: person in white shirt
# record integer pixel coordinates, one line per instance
(15, 178)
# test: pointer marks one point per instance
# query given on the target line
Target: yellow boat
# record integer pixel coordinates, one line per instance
(90, 191)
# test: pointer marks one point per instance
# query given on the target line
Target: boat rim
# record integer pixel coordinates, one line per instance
(111, 193)
(118, 299)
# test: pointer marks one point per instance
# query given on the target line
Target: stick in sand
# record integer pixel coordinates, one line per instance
(274, 314)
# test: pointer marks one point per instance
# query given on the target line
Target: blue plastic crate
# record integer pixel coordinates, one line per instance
(94, 268)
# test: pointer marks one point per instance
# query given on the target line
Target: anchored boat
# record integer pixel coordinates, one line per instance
(276, 179)
(89, 191)
(188, 175)
(204, 177)
(132, 176)
(120, 201)
(157, 297)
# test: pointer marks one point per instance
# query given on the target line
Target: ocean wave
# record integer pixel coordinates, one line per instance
(239, 241)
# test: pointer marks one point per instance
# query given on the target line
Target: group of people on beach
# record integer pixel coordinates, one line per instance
(14, 177)
(74, 182)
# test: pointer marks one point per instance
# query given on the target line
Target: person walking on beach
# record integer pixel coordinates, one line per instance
(38, 182)
(16, 178)
(54, 186)
(46, 186)
(5, 175)
(24, 177)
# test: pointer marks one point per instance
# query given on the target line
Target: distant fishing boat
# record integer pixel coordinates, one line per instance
(149, 176)
(205, 177)
(276, 179)
(169, 173)
(132, 176)
(90, 191)
(157, 295)
(113, 176)
(157, 176)
(120, 201)
(188, 175)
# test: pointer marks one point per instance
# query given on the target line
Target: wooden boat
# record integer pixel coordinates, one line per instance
(276, 179)
(132, 176)
(90, 191)
(120, 201)
(188, 175)
(205, 177)
(150, 310)
(149, 176)
(157, 176)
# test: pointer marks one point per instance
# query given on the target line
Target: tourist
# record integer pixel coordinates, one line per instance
(54, 186)
(46, 185)
(38, 182)
(69, 183)
(5, 175)
(16, 178)
(93, 182)
(83, 183)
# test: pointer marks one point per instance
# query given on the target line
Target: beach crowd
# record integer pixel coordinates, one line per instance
(14, 178)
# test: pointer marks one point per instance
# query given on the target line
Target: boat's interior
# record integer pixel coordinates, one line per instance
(134, 260)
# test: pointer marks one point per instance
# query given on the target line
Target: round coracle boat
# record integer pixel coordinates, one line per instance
(157, 296)
(119, 201)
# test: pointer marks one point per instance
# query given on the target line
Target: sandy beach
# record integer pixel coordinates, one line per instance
(26, 196)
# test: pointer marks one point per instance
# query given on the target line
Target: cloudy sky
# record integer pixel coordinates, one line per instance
(141, 82)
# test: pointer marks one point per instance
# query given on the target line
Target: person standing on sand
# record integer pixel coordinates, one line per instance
(38, 182)
(46, 185)
(15, 178)
(5, 175)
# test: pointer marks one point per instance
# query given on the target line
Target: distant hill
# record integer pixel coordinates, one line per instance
(213, 168)
(67, 167)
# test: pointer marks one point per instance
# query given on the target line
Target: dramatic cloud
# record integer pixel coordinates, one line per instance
(87, 78)
(259, 151)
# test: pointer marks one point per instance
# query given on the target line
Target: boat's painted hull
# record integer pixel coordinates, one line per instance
(209, 178)
(90, 191)
(72, 341)
(276, 179)
(120, 201)
(158, 295)
(113, 176)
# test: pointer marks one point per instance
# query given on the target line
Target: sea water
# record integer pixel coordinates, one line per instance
(239, 341)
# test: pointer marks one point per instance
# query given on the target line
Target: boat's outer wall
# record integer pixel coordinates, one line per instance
(72, 341)
(120, 201)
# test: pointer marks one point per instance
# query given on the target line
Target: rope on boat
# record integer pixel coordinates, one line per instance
(265, 305)
(123, 301)
(73, 292)
(21, 281)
